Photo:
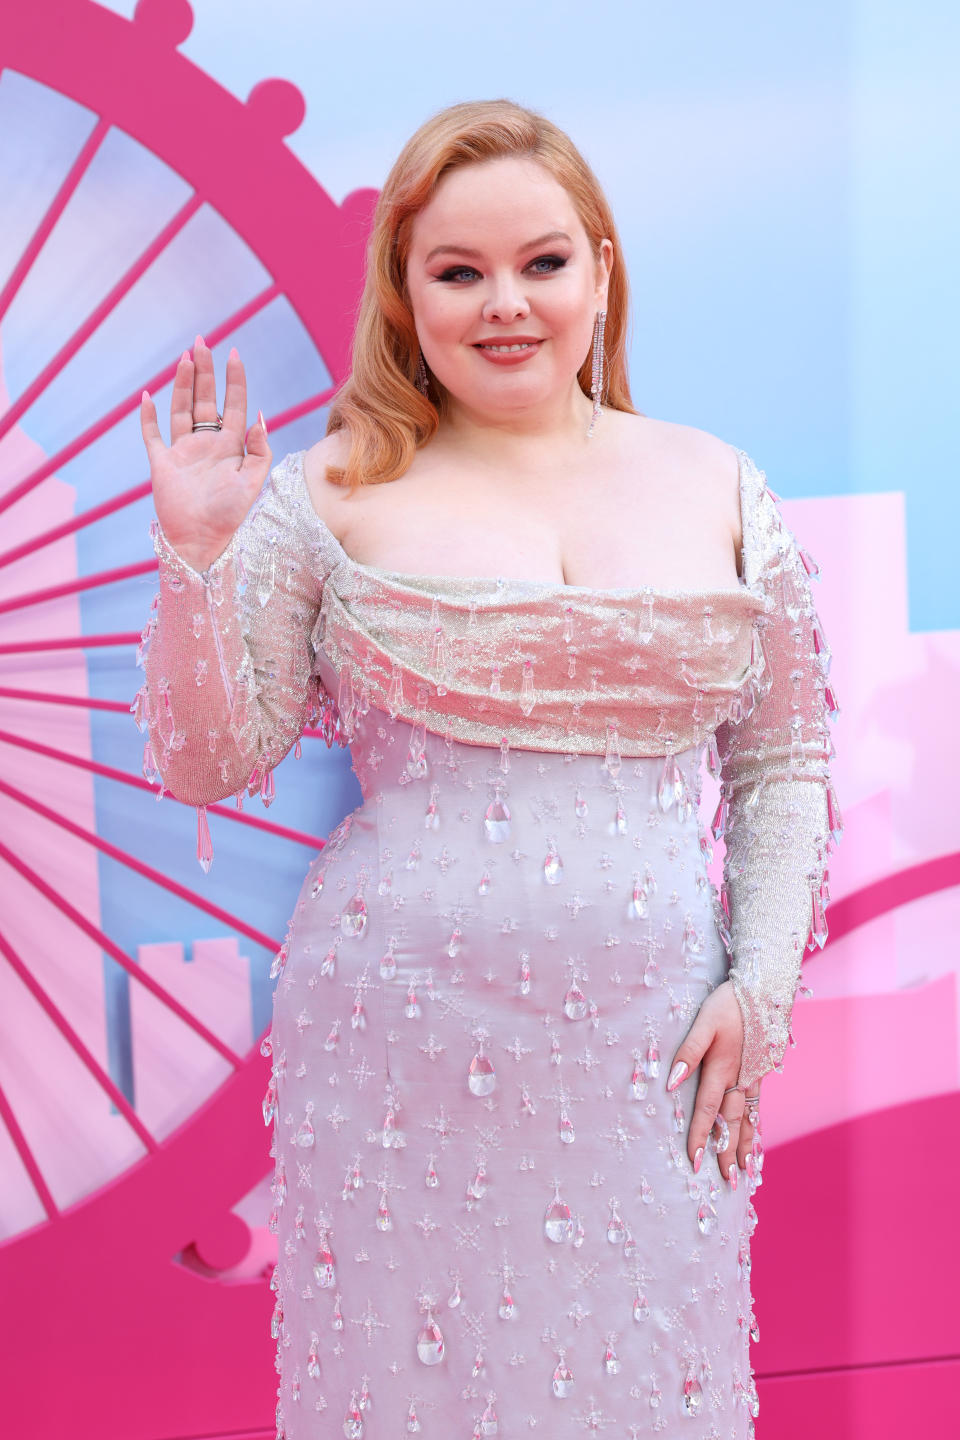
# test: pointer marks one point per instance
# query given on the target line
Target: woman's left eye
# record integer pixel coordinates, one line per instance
(555, 262)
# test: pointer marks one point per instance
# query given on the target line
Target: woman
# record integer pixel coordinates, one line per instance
(515, 1075)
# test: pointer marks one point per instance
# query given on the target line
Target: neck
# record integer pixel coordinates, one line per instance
(511, 438)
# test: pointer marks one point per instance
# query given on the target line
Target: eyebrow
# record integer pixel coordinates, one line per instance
(477, 254)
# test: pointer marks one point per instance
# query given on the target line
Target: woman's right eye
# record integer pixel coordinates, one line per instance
(457, 270)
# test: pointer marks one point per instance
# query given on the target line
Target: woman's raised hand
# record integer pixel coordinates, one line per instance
(205, 481)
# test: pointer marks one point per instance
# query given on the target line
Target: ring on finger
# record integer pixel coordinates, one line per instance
(209, 424)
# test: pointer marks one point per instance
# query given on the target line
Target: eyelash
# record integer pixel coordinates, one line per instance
(556, 261)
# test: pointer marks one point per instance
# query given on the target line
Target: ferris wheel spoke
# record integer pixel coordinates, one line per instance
(95, 319)
(50, 697)
(127, 406)
(124, 960)
(301, 408)
(71, 642)
(52, 214)
(28, 1158)
(109, 772)
(77, 522)
(75, 587)
(83, 1053)
(140, 866)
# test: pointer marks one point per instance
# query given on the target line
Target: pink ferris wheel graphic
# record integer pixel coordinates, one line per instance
(120, 1175)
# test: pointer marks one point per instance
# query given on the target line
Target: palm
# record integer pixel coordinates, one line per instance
(204, 481)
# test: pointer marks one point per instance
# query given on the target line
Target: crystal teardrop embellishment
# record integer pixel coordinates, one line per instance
(481, 1076)
(567, 1132)
(430, 1344)
(305, 1136)
(692, 1395)
(527, 696)
(641, 1307)
(388, 964)
(558, 1221)
(353, 917)
(575, 1003)
(507, 1308)
(489, 1423)
(552, 867)
(611, 1360)
(353, 1420)
(616, 1229)
(706, 1218)
(496, 821)
(562, 1380)
(384, 1218)
(324, 1268)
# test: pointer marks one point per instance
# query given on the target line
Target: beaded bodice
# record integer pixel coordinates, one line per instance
(285, 626)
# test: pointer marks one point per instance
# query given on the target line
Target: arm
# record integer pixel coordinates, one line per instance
(228, 657)
(778, 811)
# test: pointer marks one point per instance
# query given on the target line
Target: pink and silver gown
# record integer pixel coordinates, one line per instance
(487, 1220)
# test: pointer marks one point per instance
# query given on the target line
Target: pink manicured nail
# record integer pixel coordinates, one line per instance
(262, 421)
(199, 341)
(678, 1073)
(733, 1177)
(696, 1159)
(233, 353)
(749, 1165)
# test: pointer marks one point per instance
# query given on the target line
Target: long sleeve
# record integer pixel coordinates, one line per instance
(778, 812)
(228, 654)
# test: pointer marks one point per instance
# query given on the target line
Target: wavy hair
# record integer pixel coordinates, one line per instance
(388, 418)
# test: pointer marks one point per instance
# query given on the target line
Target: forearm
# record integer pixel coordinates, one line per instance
(774, 867)
(197, 697)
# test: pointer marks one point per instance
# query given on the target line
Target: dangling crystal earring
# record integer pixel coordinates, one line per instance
(422, 382)
(596, 384)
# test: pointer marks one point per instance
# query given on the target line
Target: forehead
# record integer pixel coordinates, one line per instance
(504, 202)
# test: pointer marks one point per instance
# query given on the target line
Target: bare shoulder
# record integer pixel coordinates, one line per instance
(334, 450)
(706, 467)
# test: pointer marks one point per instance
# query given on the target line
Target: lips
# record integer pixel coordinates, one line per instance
(508, 340)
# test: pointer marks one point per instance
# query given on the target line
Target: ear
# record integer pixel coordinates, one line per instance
(604, 266)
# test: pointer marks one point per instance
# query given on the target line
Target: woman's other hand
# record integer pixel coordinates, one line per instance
(205, 481)
(715, 1042)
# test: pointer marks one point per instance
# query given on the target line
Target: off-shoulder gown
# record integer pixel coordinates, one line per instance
(486, 1217)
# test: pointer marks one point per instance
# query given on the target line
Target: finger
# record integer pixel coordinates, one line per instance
(181, 401)
(713, 1081)
(691, 1051)
(149, 428)
(747, 1135)
(235, 397)
(204, 382)
(731, 1108)
(258, 450)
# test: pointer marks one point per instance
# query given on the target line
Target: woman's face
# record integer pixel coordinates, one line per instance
(498, 255)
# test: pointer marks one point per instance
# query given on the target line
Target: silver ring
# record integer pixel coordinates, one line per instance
(730, 1089)
(209, 424)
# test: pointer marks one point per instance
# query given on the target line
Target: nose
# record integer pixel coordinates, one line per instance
(506, 300)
